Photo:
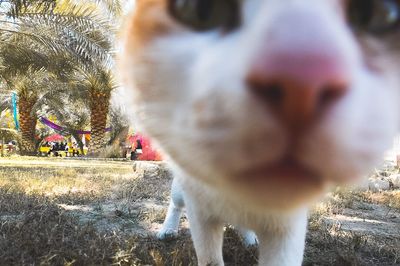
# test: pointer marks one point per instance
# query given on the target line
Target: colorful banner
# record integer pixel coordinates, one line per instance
(15, 110)
(56, 127)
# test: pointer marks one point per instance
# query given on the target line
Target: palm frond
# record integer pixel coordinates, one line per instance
(80, 33)
(17, 6)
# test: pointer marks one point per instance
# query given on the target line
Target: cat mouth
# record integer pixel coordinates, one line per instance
(287, 171)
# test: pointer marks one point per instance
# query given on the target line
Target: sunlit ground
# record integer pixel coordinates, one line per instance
(93, 212)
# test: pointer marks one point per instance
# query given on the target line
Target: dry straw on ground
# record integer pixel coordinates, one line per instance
(58, 212)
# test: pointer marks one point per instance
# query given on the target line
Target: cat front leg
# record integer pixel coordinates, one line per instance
(207, 235)
(284, 247)
(171, 223)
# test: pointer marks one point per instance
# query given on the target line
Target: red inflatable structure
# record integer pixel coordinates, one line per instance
(149, 153)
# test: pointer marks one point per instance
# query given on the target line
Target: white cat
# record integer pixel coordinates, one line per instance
(262, 105)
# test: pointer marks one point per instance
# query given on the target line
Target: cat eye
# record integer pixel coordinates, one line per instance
(374, 16)
(204, 15)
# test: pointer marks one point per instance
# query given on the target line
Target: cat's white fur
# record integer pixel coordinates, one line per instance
(189, 91)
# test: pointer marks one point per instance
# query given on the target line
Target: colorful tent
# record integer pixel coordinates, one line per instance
(54, 138)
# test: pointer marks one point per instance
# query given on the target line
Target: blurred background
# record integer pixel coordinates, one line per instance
(57, 61)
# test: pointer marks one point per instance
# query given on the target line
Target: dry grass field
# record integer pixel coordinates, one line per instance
(88, 212)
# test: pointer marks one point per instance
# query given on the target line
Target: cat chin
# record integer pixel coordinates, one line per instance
(265, 198)
(280, 199)
(259, 194)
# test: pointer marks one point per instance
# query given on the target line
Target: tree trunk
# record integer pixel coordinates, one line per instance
(2, 147)
(27, 120)
(99, 107)
(78, 139)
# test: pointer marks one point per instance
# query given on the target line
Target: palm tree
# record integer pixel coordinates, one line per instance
(27, 118)
(31, 73)
(30, 89)
(76, 34)
(96, 86)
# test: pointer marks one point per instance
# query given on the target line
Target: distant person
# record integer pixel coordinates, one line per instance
(139, 147)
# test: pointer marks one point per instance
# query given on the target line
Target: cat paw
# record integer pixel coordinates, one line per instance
(166, 234)
(250, 240)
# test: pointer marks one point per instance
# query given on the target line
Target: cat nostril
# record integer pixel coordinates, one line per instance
(330, 94)
(295, 103)
(272, 93)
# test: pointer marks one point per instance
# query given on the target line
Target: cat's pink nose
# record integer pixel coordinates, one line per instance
(299, 75)
(298, 85)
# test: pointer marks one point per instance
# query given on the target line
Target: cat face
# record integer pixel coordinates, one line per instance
(269, 100)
